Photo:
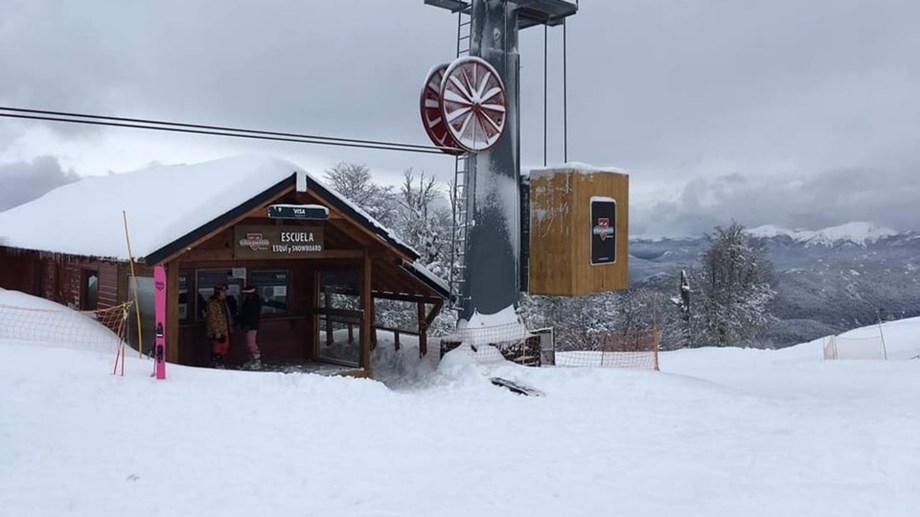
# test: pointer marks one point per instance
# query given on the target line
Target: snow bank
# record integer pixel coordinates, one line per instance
(41, 322)
(717, 432)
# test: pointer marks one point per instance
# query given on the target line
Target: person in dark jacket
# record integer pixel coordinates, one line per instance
(219, 323)
(250, 314)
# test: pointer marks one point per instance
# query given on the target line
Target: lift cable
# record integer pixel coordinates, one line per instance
(545, 88)
(565, 95)
(178, 127)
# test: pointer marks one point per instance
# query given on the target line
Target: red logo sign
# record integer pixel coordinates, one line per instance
(255, 242)
(603, 228)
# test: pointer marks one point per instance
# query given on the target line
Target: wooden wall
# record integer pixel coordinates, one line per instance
(283, 337)
(21, 271)
(58, 277)
(560, 232)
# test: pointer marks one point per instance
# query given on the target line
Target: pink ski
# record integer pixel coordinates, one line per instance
(159, 344)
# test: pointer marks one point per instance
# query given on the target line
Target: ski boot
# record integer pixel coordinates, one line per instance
(254, 363)
(217, 361)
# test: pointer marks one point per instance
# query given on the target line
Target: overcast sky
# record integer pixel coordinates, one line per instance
(797, 113)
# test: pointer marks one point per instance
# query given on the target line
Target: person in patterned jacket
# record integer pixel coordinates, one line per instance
(219, 323)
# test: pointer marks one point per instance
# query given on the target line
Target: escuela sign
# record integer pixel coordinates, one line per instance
(277, 242)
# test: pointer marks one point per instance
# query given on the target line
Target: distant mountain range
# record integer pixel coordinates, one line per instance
(828, 280)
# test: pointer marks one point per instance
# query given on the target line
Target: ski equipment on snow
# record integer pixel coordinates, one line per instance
(159, 344)
(515, 387)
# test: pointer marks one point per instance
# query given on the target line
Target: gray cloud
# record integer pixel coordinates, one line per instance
(677, 92)
(886, 197)
(23, 181)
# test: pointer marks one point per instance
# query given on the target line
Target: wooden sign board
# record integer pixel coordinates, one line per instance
(277, 242)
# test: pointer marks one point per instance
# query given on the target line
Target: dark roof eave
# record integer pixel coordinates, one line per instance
(334, 200)
(225, 219)
(440, 291)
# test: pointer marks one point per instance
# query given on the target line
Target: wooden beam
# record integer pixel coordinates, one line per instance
(373, 324)
(172, 312)
(255, 212)
(368, 233)
(222, 254)
(313, 304)
(366, 303)
(339, 254)
(422, 330)
(343, 314)
(327, 304)
(400, 297)
(434, 312)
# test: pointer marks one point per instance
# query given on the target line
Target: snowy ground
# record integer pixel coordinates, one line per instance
(718, 432)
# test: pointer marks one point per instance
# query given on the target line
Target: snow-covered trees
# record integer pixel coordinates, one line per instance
(726, 300)
(734, 282)
(424, 223)
(353, 181)
(420, 215)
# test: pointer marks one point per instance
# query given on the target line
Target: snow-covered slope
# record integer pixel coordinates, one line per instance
(716, 432)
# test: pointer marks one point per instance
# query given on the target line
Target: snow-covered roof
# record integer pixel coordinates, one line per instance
(569, 166)
(426, 275)
(163, 204)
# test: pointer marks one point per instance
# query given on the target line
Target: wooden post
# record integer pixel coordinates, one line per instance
(373, 325)
(396, 340)
(311, 346)
(422, 330)
(328, 305)
(435, 310)
(366, 308)
(172, 312)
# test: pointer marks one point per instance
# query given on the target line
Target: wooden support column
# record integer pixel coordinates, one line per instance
(435, 310)
(327, 299)
(373, 325)
(172, 312)
(422, 330)
(311, 346)
(366, 309)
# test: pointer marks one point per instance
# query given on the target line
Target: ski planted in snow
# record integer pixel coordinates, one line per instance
(159, 343)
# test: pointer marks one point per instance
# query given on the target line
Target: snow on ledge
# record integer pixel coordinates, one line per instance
(579, 167)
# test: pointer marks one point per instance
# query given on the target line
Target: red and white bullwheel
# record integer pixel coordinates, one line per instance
(474, 103)
(432, 115)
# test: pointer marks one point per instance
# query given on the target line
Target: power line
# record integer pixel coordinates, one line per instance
(199, 126)
(565, 95)
(179, 127)
(545, 87)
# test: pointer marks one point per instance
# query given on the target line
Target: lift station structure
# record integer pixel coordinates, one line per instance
(479, 96)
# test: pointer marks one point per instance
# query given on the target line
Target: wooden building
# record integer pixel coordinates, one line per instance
(318, 261)
(579, 231)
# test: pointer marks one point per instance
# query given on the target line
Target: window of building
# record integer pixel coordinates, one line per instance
(90, 299)
(183, 297)
(206, 279)
(272, 286)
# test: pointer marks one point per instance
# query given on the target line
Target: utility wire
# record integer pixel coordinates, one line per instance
(178, 127)
(545, 87)
(565, 95)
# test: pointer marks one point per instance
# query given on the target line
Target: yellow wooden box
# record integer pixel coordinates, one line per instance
(579, 231)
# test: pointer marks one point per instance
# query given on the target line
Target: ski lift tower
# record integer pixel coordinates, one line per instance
(490, 247)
